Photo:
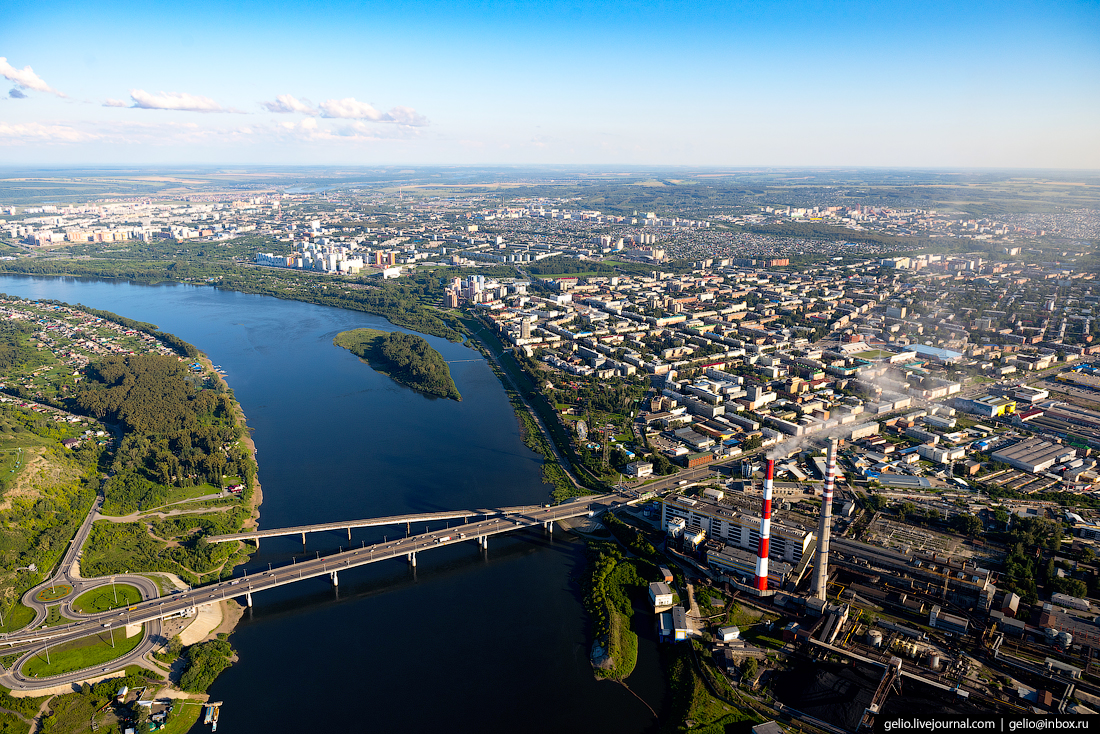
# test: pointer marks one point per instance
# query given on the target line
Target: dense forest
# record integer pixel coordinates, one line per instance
(176, 433)
(406, 358)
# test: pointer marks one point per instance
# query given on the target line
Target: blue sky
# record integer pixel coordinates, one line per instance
(1007, 84)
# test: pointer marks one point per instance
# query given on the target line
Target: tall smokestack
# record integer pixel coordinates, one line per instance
(765, 529)
(824, 527)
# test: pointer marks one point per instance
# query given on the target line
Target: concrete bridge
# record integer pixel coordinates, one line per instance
(373, 522)
(496, 522)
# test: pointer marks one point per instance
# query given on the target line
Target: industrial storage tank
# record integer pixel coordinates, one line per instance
(934, 661)
(874, 638)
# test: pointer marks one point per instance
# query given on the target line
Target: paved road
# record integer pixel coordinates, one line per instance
(151, 638)
(693, 475)
(367, 523)
(151, 611)
(67, 572)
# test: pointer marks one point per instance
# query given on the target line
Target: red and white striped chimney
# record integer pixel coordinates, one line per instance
(765, 529)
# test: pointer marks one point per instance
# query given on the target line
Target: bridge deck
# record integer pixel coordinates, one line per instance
(172, 605)
(367, 523)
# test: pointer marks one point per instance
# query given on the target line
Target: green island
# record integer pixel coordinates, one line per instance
(406, 358)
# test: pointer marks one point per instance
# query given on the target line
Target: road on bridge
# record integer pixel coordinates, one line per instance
(153, 610)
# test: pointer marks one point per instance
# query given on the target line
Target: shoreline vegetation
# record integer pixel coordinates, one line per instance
(405, 358)
(403, 303)
(177, 434)
(611, 578)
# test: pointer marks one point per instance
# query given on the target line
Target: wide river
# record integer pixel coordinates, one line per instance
(466, 642)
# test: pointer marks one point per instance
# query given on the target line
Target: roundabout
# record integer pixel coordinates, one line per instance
(53, 593)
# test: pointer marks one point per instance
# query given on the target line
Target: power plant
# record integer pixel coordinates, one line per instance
(824, 527)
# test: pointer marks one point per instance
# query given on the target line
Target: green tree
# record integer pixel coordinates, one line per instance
(967, 524)
(661, 464)
(752, 443)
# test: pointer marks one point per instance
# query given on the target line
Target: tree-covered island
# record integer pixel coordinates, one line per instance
(406, 358)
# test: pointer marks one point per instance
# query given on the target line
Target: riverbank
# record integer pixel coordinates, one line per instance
(257, 496)
(303, 398)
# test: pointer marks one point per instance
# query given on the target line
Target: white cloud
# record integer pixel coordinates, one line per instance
(407, 116)
(285, 103)
(114, 103)
(175, 101)
(25, 78)
(36, 132)
(350, 108)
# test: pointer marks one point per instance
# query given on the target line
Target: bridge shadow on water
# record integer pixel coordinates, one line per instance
(395, 575)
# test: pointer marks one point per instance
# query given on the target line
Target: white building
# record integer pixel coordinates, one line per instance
(660, 595)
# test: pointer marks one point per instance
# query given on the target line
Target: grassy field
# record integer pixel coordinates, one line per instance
(183, 717)
(17, 618)
(11, 461)
(179, 494)
(73, 713)
(872, 354)
(80, 654)
(54, 617)
(106, 598)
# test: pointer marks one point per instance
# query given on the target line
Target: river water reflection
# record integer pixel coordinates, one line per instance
(469, 641)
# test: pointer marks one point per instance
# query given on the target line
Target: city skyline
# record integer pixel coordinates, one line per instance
(783, 84)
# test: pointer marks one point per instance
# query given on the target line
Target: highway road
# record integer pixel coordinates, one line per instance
(366, 523)
(152, 610)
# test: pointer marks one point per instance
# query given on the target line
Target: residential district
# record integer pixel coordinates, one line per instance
(883, 459)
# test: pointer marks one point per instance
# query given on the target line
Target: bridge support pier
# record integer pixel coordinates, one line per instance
(248, 598)
(549, 526)
(349, 532)
(483, 542)
(257, 543)
(303, 539)
(412, 560)
(335, 578)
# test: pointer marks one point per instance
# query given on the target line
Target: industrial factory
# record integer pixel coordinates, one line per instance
(910, 613)
(748, 549)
